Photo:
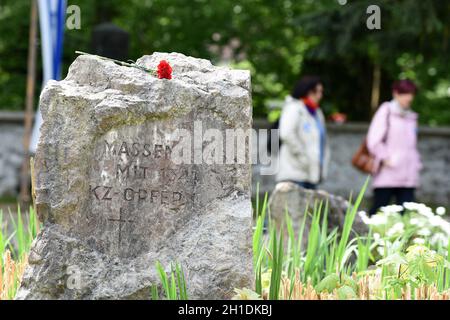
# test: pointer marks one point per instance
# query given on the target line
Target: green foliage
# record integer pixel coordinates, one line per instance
(259, 231)
(174, 284)
(325, 256)
(14, 20)
(332, 262)
(323, 263)
(364, 252)
(275, 40)
(413, 43)
(419, 266)
(348, 223)
(345, 292)
(276, 264)
(413, 223)
(15, 243)
(329, 283)
(18, 242)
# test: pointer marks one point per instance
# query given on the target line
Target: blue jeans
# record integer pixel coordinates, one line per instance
(382, 197)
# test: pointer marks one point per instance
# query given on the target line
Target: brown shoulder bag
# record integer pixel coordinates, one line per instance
(363, 160)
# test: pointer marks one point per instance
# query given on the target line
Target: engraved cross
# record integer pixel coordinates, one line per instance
(121, 221)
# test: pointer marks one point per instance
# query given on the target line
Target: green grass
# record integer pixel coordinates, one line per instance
(173, 284)
(15, 243)
(323, 256)
(25, 227)
(338, 252)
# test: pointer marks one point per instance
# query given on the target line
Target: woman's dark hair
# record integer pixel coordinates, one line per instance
(404, 86)
(304, 86)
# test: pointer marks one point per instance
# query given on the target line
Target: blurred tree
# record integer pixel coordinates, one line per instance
(412, 43)
(14, 27)
(278, 40)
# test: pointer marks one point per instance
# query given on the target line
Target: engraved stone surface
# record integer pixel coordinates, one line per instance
(127, 175)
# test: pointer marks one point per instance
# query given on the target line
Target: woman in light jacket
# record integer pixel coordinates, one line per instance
(392, 140)
(304, 150)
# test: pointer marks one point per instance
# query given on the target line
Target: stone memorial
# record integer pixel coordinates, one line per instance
(131, 170)
(290, 197)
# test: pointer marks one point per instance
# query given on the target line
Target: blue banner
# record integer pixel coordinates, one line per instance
(52, 21)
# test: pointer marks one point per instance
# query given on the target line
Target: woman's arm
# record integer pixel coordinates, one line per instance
(289, 122)
(376, 135)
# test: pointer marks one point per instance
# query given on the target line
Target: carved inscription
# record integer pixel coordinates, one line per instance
(136, 149)
(136, 190)
(162, 197)
(121, 220)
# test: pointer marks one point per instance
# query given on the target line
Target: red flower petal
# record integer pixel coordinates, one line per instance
(164, 70)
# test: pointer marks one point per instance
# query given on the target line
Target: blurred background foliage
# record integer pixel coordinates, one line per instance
(278, 40)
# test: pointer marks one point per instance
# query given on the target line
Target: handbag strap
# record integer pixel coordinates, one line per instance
(388, 122)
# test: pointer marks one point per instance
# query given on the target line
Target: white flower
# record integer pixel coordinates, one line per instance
(364, 217)
(395, 246)
(414, 221)
(425, 211)
(437, 221)
(391, 209)
(445, 226)
(439, 239)
(419, 208)
(419, 241)
(440, 211)
(378, 219)
(399, 225)
(424, 232)
(380, 251)
(376, 236)
(397, 228)
(412, 206)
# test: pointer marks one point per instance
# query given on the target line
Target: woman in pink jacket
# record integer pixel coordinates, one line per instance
(392, 140)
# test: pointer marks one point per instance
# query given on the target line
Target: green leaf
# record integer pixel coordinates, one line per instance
(154, 292)
(346, 292)
(349, 281)
(396, 258)
(348, 222)
(329, 283)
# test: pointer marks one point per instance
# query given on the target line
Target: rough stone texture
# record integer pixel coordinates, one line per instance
(343, 179)
(103, 118)
(11, 157)
(298, 200)
(434, 146)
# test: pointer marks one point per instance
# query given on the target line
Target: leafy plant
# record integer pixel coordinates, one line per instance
(174, 284)
(276, 263)
(14, 249)
(416, 223)
(336, 266)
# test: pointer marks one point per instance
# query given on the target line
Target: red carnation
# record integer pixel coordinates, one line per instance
(164, 70)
